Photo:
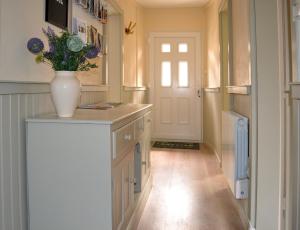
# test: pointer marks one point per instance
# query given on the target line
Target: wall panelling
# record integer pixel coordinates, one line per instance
(14, 109)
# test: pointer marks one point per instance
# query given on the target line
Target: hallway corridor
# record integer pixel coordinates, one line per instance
(189, 193)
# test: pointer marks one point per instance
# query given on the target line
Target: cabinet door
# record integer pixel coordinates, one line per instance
(148, 131)
(146, 161)
(123, 191)
(128, 184)
(117, 197)
(143, 161)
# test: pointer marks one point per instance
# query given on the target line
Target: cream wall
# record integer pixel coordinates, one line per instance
(141, 49)
(133, 44)
(269, 102)
(241, 43)
(212, 100)
(212, 107)
(130, 42)
(174, 20)
(213, 47)
(19, 21)
(22, 20)
(27, 19)
(134, 53)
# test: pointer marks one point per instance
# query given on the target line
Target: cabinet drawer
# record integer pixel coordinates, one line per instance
(123, 139)
(138, 127)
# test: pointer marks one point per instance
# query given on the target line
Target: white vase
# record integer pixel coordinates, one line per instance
(65, 90)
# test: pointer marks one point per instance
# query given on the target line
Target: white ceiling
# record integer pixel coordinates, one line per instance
(171, 3)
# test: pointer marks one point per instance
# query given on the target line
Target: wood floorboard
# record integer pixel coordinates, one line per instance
(189, 193)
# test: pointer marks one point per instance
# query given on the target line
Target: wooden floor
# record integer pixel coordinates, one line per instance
(189, 193)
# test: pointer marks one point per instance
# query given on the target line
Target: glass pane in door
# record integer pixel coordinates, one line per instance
(183, 79)
(166, 74)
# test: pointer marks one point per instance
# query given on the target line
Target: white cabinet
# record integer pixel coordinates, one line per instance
(81, 171)
(123, 190)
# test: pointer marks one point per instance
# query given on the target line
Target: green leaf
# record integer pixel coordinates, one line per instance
(39, 58)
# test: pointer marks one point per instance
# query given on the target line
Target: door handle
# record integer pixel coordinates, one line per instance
(199, 92)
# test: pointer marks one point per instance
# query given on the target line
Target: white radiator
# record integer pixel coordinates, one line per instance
(235, 152)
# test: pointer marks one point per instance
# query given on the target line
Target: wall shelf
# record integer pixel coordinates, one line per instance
(242, 90)
(212, 90)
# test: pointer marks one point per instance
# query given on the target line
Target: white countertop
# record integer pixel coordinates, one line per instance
(108, 117)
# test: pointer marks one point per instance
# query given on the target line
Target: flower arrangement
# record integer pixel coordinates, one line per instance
(66, 52)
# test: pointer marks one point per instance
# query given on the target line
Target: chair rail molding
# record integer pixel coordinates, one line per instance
(135, 88)
(10, 87)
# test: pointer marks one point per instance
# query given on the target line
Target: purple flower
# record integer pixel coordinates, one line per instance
(35, 45)
(66, 56)
(92, 53)
(48, 55)
(82, 60)
(51, 47)
(49, 32)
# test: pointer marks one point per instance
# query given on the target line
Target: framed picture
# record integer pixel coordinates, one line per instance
(91, 6)
(57, 13)
(96, 7)
(99, 42)
(84, 3)
(92, 35)
(80, 28)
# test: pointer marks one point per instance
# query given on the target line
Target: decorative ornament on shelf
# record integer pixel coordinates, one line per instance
(129, 29)
(67, 54)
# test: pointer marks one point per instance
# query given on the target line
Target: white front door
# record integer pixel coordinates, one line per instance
(176, 83)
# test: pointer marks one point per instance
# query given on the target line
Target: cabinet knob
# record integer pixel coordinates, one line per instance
(149, 120)
(127, 137)
(144, 162)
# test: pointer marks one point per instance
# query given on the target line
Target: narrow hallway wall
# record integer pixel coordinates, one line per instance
(239, 73)
(212, 78)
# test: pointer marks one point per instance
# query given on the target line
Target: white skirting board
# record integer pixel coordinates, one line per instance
(251, 227)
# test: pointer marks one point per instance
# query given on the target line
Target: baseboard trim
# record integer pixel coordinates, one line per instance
(211, 148)
(251, 227)
(141, 203)
(23, 88)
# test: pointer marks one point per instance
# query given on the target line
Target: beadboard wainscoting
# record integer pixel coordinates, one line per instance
(18, 102)
(136, 96)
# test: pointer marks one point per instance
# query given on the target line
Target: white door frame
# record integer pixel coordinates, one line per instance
(198, 67)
